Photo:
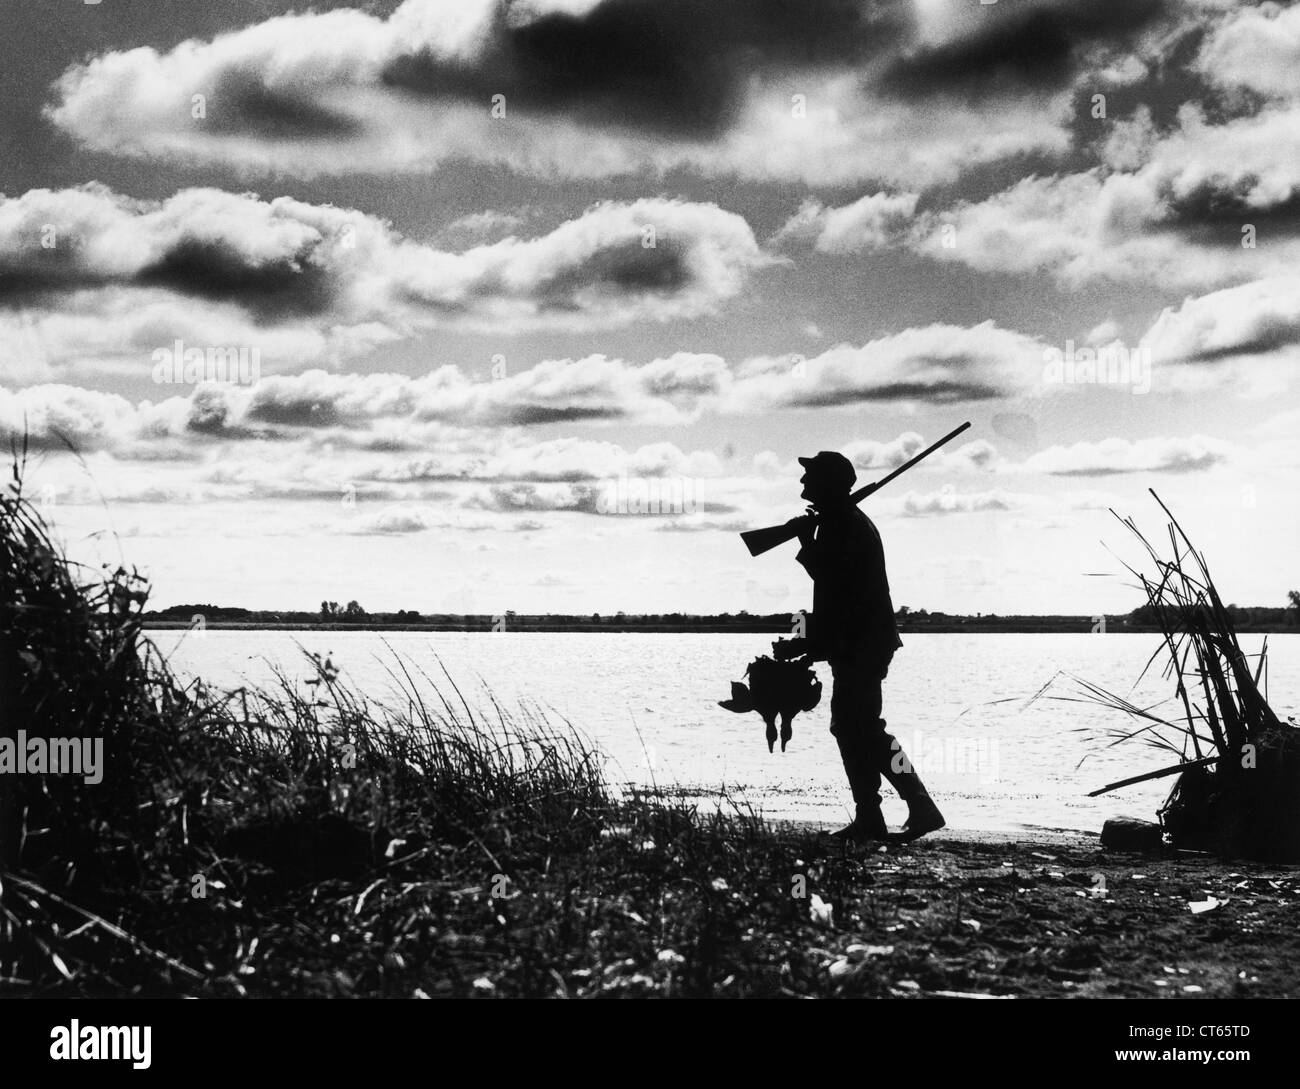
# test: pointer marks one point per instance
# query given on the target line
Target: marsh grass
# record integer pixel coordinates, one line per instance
(213, 800)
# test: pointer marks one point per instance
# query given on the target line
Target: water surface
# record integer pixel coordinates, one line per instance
(957, 702)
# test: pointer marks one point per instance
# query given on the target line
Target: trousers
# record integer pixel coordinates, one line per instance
(867, 749)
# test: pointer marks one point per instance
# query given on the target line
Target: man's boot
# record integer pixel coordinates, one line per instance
(868, 824)
(923, 815)
(867, 827)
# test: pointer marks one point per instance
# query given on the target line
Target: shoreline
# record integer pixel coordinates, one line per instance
(485, 627)
(1009, 833)
(957, 838)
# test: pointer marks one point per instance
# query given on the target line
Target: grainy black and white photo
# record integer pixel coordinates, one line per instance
(651, 499)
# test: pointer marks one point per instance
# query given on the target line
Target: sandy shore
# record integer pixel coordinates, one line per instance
(1048, 913)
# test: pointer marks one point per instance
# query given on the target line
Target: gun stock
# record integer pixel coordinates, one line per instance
(759, 541)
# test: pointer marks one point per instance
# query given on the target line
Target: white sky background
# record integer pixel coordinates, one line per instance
(702, 240)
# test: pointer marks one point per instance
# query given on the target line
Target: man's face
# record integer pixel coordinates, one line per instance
(814, 489)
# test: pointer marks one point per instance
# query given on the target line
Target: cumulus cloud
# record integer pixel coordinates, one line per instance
(508, 470)
(696, 524)
(871, 222)
(556, 461)
(593, 389)
(1177, 216)
(56, 417)
(1258, 318)
(1256, 47)
(85, 269)
(1115, 456)
(391, 411)
(977, 456)
(869, 455)
(948, 501)
(938, 364)
(479, 227)
(822, 91)
(1037, 43)
(401, 519)
(521, 496)
(460, 483)
(935, 364)
(872, 454)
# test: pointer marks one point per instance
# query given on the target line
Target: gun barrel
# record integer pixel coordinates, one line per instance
(862, 493)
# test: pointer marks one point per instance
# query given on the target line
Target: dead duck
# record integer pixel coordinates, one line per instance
(776, 689)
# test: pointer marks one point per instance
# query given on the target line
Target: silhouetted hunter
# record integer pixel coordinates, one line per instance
(852, 629)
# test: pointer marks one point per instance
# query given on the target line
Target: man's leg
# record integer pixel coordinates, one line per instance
(855, 707)
(922, 814)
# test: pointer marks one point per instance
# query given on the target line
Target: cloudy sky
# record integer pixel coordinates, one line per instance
(503, 273)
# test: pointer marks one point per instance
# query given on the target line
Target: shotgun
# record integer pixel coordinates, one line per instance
(759, 541)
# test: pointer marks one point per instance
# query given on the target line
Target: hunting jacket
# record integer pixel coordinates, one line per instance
(852, 612)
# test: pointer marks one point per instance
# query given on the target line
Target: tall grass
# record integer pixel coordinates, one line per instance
(217, 808)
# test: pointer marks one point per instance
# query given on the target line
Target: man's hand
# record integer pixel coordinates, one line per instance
(783, 650)
(806, 525)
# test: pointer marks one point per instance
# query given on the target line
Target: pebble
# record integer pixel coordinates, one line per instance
(858, 951)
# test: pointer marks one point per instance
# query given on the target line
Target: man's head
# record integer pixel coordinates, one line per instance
(827, 478)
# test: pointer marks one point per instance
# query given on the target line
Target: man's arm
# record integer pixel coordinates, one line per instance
(808, 554)
(835, 556)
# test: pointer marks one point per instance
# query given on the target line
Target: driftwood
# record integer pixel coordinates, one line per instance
(1162, 773)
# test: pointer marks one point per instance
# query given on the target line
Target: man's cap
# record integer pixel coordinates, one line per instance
(832, 467)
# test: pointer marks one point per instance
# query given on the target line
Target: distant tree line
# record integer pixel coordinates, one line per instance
(331, 614)
(1243, 617)
(352, 613)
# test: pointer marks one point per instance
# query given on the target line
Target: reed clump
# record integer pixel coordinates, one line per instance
(1237, 791)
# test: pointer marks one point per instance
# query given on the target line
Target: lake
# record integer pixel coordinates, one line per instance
(956, 702)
